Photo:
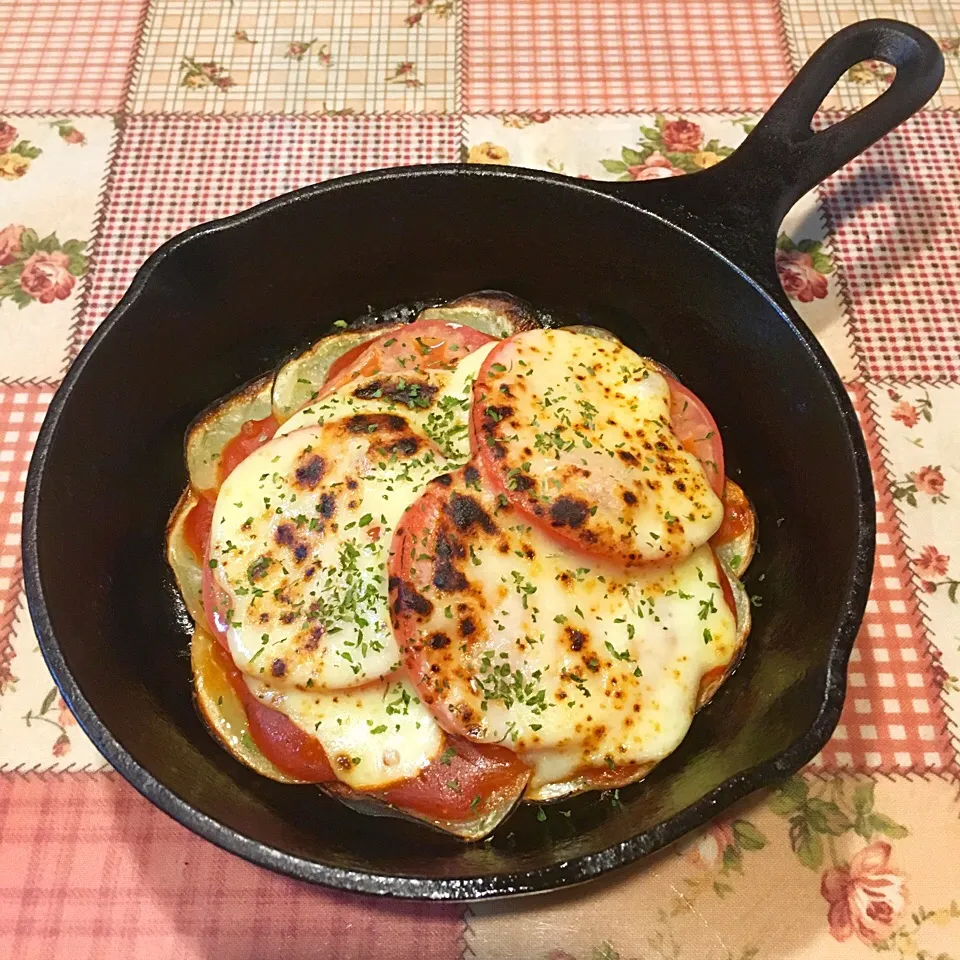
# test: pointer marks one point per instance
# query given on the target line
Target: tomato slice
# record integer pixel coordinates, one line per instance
(253, 435)
(346, 360)
(278, 738)
(696, 429)
(465, 781)
(424, 345)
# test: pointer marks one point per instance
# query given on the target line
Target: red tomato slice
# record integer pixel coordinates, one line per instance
(696, 429)
(279, 739)
(569, 453)
(465, 781)
(253, 435)
(408, 567)
(347, 359)
(424, 345)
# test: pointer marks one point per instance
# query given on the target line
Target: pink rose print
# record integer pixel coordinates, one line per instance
(866, 897)
(46, 276)
(800, 278)
(73, 135)
(931, 563)
(682, 136)
(906, 413)
(8, 135)
(929, 480)
(7, 680)
(655, 167)
(35, 269)
(666, 149)
(64, 716)
(708, 848)
(196, 75)
(10, 243)
(298, 49)
(61, 745)
(405, 73)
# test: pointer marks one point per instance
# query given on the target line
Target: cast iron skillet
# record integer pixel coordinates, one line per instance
(683, 270)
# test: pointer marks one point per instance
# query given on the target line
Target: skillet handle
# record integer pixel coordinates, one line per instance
(739, 204)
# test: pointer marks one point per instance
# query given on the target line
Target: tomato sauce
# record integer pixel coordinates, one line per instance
(196, 527)
(280, 740)
(345, 360)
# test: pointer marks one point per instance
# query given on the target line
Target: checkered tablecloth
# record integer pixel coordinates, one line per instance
(122, 122)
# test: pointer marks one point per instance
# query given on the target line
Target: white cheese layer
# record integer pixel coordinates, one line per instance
(374, 736)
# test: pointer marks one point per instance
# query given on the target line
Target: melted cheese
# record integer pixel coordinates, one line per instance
(578, 431)
(302, 528)
(529, 644)
(573, 663)
(374, 736)
(435, 403)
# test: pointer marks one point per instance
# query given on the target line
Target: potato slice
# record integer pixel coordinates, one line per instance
(586, 783)
(186, 566)
(489, 311)
(218, 425)
(585, 330)
(223, 711)
(299, 379)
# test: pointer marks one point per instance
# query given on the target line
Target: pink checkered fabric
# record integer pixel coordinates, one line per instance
(893, 719)
(90, 870)
(577, 55)
(896, 209)
(66, 54)
(174, 172)
(22, 409)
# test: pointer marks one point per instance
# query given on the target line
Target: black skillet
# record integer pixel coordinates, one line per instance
(683, 270)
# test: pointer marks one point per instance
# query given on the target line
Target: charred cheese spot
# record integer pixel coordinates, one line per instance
(407, 599)
(568, 512)
(467, 513)
(310, 471)
(408, 391)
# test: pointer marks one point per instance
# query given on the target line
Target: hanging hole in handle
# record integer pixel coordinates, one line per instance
(859, 86)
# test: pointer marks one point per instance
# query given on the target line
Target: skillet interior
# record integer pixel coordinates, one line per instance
(221, 306)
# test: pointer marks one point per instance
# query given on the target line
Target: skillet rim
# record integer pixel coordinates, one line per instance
(564, 873)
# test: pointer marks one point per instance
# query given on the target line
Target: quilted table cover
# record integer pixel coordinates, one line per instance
(123, 122)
